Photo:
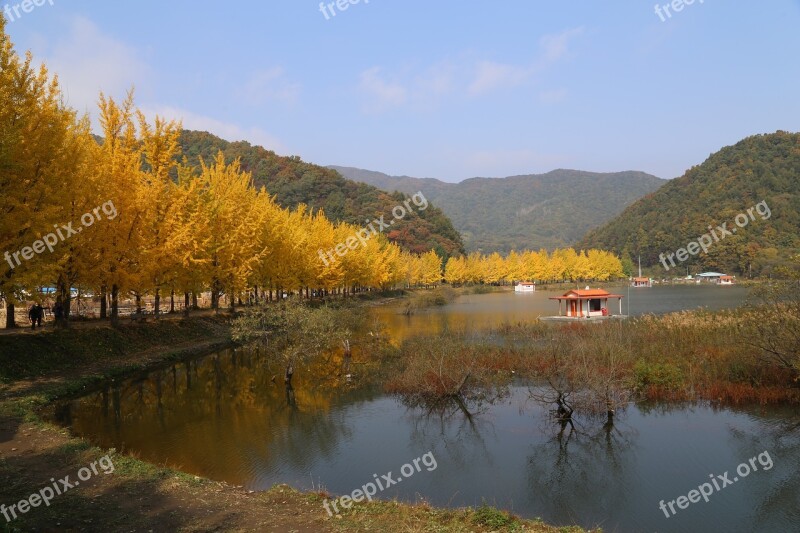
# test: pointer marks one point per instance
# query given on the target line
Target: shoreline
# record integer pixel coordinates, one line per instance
(143, 496)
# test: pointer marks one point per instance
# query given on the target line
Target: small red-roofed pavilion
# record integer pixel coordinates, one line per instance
(587, 303)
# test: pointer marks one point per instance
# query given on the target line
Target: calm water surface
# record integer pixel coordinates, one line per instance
(224, 417)
(488, 310)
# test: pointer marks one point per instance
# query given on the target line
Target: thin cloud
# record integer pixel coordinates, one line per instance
(269, 85)
(467, 78)
(381, 92)
(492, 76)
(225, 130)
(556, 46)
(89, 62)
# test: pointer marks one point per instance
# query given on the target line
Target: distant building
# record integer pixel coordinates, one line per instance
(587, 303)
(726, 280)
(713, 277)
(642, 282)
(525, 286)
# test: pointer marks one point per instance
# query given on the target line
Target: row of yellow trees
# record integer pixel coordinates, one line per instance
(560, 265)
(175, 228)
(168, 227)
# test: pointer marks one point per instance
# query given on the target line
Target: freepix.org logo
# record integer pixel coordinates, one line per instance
(676, 6)
(62, 232)
(58, 487)
(14, 12)
(370, 489)
(330, 9)
(364, 234)
(704, 242)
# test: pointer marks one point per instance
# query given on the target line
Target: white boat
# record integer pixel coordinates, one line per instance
(525, 286)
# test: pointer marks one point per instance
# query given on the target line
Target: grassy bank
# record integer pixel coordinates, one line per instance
(139, 496)
(599, 368)
(25, 356)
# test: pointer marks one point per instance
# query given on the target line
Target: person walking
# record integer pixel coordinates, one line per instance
(39, 314)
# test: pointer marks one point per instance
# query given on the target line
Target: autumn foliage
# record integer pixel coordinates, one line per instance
(179, 228)
(541, 266)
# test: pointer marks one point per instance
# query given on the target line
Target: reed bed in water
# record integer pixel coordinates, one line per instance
(689, 355)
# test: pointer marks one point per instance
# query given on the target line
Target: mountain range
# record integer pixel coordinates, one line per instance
(294, 182)
(745, 197)
(534, 211)
(631, 213)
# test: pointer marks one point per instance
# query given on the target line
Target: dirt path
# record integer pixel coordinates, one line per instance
(138, 496)
(130, 500)
(24, 328)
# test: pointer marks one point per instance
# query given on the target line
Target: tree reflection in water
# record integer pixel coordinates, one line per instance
(584, 469)
(778, 434)
(217, 414)
(457, 425)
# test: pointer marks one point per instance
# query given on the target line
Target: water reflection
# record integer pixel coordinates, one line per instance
(483, 311)
(231, 416)
(584, 472)
(218, 416)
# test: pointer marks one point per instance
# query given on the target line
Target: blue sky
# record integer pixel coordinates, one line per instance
(447, 89)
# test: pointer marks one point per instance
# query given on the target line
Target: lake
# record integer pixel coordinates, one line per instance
(482, 311)
(224, 417)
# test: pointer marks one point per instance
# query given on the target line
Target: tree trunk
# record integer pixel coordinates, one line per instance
(10, 319)
(194, 301)
(172, 301)
(64, 298)
(186, 303)
(138, 302)
(157, 302)
(461, 385)
(114, 305)
(103, 303)
(215, 292)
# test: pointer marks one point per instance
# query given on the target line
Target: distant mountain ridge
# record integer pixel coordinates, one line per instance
(534, 211)
(760, 168)
(295, 182)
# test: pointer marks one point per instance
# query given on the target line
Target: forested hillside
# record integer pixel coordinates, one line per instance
(761, 168)
(293, 182)
(548, 211)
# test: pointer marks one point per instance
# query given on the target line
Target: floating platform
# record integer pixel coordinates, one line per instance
(581, 319)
